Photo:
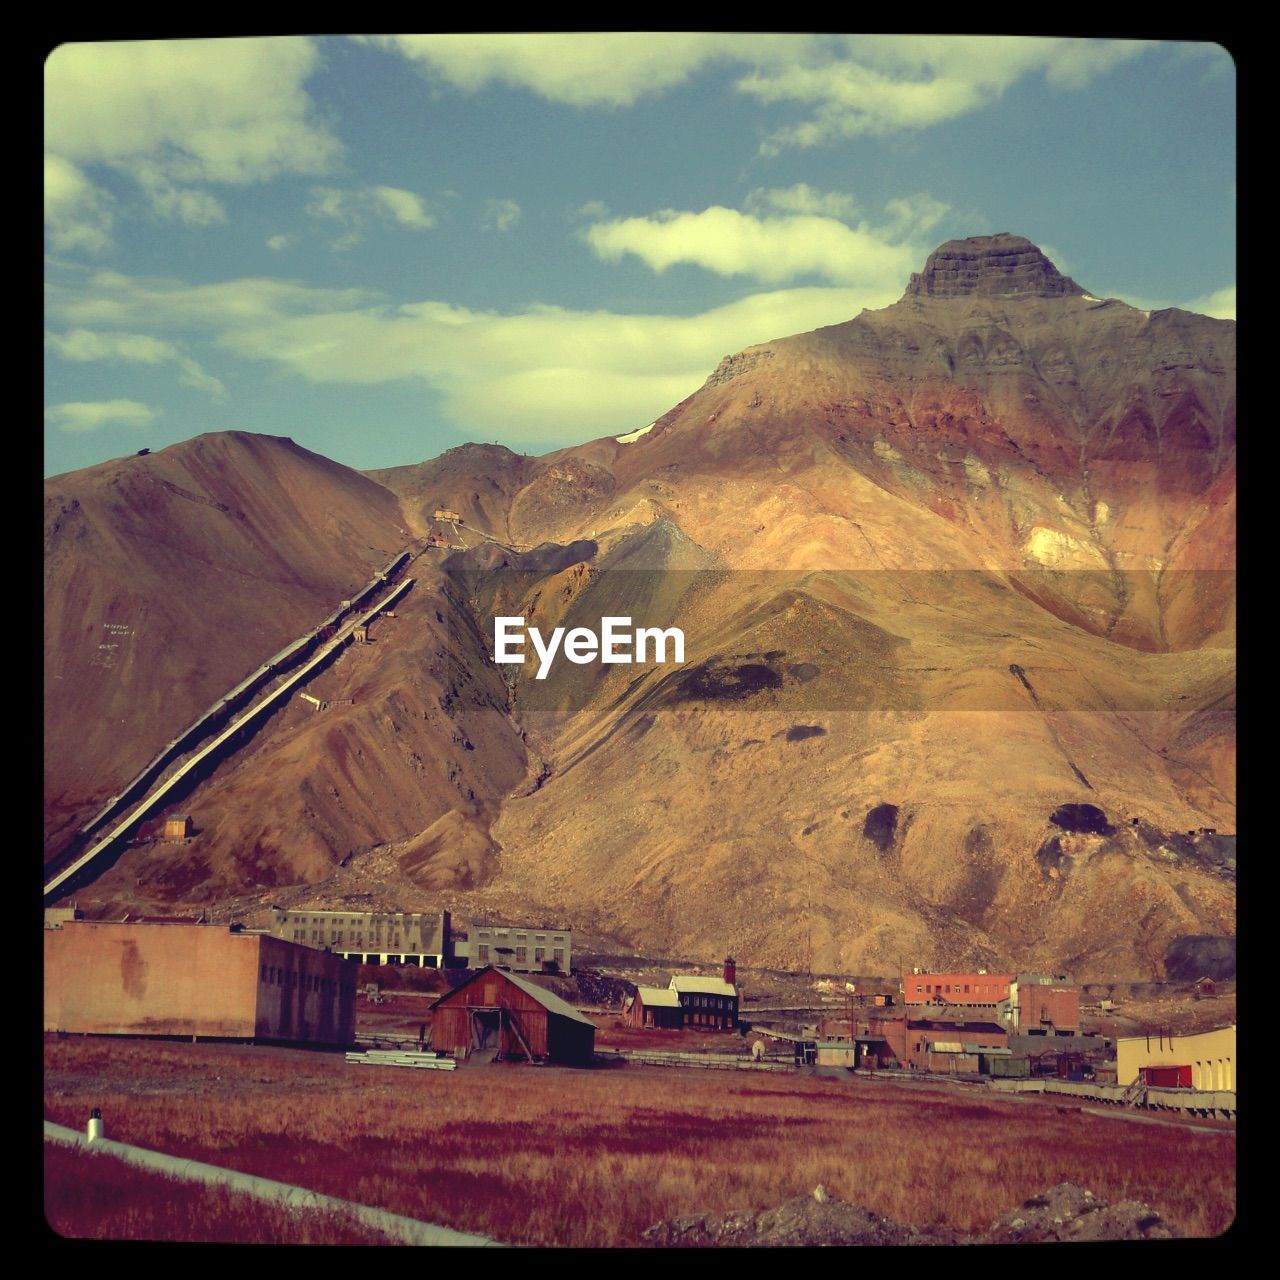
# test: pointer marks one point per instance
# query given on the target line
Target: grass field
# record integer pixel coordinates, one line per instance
(551, 1156)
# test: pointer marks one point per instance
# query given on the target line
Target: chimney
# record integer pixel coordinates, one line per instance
(730, 971)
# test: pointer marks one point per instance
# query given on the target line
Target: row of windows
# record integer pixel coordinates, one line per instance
(709, 1002)
(953, 988)
(522, 954)
(521, 935)
(272, 975)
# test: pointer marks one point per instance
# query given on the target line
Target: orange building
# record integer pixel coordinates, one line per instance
(956, 988)
(189, 980)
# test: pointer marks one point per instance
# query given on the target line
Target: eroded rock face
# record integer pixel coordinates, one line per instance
(1002, 265)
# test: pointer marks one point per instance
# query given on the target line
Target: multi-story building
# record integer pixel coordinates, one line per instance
(709, 1002)
(188, 979)
(368, 937)
(1044, 1003)
(979, 988)
(521, 948)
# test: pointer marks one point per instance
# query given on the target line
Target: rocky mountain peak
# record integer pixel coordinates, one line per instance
(999, 266)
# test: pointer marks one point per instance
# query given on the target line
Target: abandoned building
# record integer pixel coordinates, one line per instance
(177, 827)
(369, 937)
(193, 980)
(657, 1007)
(507, 1015)
(523, 948)
(921, 987)
(709, 1002)
(445, 513)
(1203, 1061)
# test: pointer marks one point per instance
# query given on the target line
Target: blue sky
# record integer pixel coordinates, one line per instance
(386, 247)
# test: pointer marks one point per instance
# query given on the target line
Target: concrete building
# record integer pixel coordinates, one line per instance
(189, 980)
(509, 1015)
(922, 987)
(657, 1007)
(1204, 1061)
(368, 937)
(523, 948)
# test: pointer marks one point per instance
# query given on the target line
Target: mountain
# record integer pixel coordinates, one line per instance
(956, 580)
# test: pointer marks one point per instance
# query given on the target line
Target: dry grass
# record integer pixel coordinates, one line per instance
(96, 1197)
(549, 1156)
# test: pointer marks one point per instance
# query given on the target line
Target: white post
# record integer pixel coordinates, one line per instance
(95, 1125)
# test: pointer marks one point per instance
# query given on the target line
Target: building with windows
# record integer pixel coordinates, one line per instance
(1044, 1003)
(368, 937)
(657, 1007)
(922, 987)
(709, 1002)
(193, 980)
(522, 948)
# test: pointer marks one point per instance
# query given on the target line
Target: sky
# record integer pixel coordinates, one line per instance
(386, 247)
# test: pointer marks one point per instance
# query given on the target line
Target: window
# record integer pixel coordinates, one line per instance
(539, 954)
(482, 953)
(559, 955)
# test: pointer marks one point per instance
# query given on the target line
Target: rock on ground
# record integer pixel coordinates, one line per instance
(1063, 1213)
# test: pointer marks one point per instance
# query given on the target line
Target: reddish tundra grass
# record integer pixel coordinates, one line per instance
(551, 1156)
(96, 1197)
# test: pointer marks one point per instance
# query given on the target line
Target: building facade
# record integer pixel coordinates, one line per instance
(508, 1015)
(707, 1002)
(1204, 1061)
(1045, 1002)
(193, 980)
(657, 1007)
(923, 987)
(368, 937)
(522, 948)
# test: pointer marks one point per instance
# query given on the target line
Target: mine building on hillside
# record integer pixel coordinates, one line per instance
(368, 937)
(509, 1016)
(1044, 1004)
(177, 826)
(522, 948)
(949, 1038)
(144, 978)
(657, 1007)
(922, 987)
(444, 513)
(709, 1002)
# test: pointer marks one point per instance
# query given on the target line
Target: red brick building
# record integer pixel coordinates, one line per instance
(1052, 1004)
(193, 980)
(956, 988)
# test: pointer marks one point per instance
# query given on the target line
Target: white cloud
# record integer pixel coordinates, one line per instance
(278, 242)
(500, 215)
(356, 208)
(777, 248)
(611, 68)
(802, 198)
(1221, 303)
(174, 114)
(851, 85)
(405, 207)
(540, 373)
(189, 205)
(81, 345)
(89, 415)
(77, 214)
(883, 84)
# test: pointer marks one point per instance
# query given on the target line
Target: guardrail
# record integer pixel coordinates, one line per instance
(405, 1230)
(709, 1061)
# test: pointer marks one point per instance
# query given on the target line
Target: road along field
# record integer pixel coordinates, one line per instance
(551, 1156)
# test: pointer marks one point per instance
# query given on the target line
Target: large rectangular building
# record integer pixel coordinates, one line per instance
(923, 987)
(193, 980)
(522, 948)
(368, 937)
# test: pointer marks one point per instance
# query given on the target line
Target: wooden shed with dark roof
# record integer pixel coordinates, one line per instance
(509, 1016)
